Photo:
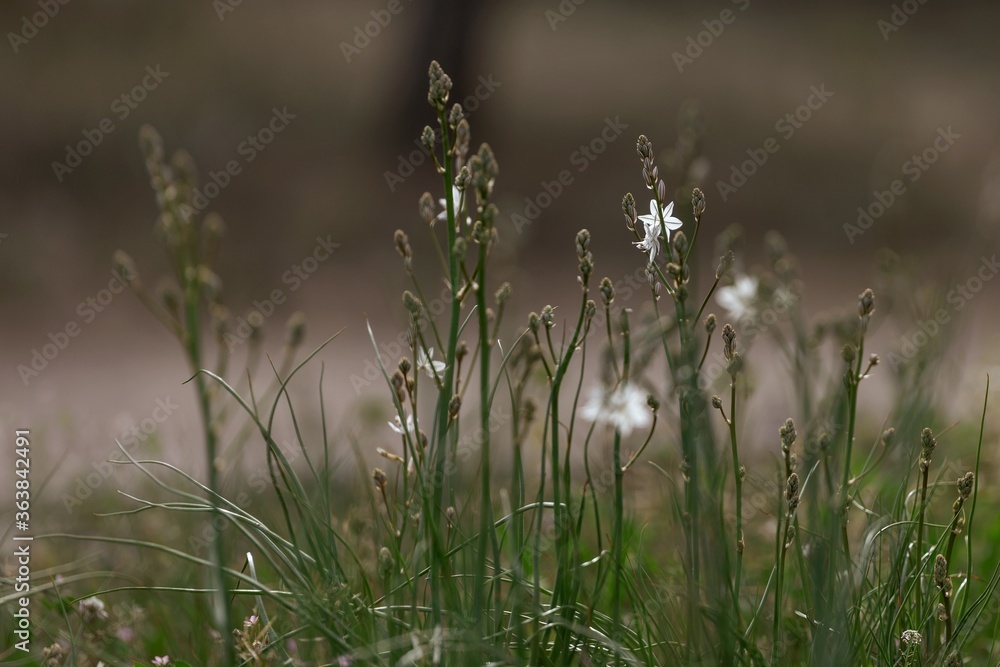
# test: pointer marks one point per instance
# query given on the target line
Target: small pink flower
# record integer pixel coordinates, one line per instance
(161, 661)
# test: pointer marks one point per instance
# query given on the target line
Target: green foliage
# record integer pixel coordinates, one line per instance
(524, 521)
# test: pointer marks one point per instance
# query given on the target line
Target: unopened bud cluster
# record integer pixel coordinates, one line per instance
(628, 208)
(440, 87)
(927, 444)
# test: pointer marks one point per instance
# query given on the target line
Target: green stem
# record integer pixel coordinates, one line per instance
(852, 410)
(436, 510)
(220, 606)
(972, 511)
(616, 594)
(920, 533)
(619, 536)
(690, 502)
(778, 590)
(485, 501)
(560, 506)
(739, 499)
(185, 260)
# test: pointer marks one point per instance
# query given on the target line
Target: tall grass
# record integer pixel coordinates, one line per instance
(558, 559)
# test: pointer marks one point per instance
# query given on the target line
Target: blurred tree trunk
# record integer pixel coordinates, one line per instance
(449, 33)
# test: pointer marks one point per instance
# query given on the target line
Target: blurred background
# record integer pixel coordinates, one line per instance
(319, 106)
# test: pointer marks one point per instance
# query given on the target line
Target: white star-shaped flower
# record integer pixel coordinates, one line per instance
(401, 428)
(426, 363)
(624, 407)
(456, 196)
(650, 244)
(739, 299)
(651, 227)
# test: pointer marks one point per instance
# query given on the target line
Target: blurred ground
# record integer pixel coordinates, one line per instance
(543, 87)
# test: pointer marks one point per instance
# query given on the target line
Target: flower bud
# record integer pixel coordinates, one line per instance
(728, 341)
(607, 291)
(426, 208)
(775, 246)
(788, 434)
(169, 296)
(462, 138)
(698, 202)
(644, 147)
(398, 382)
(211, 284)
(215, 227)
(385, 562)
(411, 303)
(428, 138)
(220, 320)
(380, 478)
(848, 353)
(735, 366)
(548, 317)
(927, 442)
(486, 172)
(150, 144)
(462, 180)
(680, 243)
(725, 262)
(530, 407)
(295, 330)
(628, 208)
(123, 265)
(940, 571)
(866, 305)
(965, 485)
(439, 88)
(503, 294)
(582, 242)
(455, 114)
(792, 492)
(402, 243)
(586, 266)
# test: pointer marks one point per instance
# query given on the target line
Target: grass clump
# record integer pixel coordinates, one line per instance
(520, 520)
